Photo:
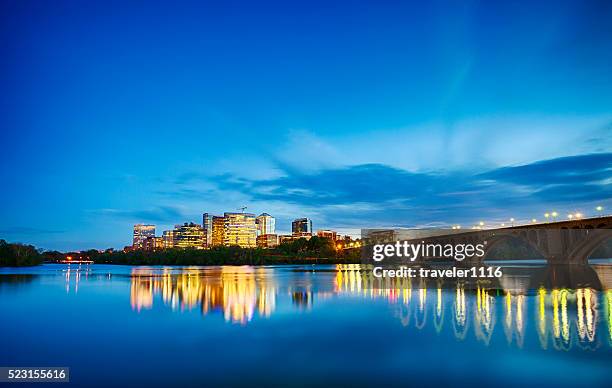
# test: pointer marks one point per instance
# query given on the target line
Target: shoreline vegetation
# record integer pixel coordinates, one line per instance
(316, 250)
(19, 255)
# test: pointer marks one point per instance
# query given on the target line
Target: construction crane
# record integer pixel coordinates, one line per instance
(242, 209)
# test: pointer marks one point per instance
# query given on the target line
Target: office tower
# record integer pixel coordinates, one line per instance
(141, 232)
(168, 238)
(301, 227)
(218, 230)
(208, 229)
(188, 235)
(240, 229)
(266, 224)
(330, 234)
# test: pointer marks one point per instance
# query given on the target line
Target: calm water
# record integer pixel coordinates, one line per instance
(298, 325)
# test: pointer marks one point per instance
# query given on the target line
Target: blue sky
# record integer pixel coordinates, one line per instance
(356, 114)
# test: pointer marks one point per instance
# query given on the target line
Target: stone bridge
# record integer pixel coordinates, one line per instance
(564, 242)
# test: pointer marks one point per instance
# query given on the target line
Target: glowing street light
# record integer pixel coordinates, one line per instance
(503, 224)
(533, 220)
(512, 221)
(546, 215)
(554, 215)
(599, 209)
(578, 215)
(570, 216)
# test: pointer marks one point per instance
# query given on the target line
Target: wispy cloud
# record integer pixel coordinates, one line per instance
(382, 194)
(469, 144)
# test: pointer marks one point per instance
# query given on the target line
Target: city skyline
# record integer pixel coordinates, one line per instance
(245, 230)
(378, 115)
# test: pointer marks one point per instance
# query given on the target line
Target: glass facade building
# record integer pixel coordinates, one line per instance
(240, 229)
(207, 226)
(141, 233)
(168, 239)
(301, 227)
(188, 235)
(218, 231)
(266, 224)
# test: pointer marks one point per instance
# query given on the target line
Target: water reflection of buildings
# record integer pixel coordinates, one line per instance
(237, 292)
(560, 317)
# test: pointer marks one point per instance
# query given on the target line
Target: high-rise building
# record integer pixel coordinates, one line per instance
(208, 229)
(240, 229)
(266, 224)
(168, 238)
(301, 227)
(159, 243)
(218, 231)
(330, 234)
(188, 235)
(141, 232)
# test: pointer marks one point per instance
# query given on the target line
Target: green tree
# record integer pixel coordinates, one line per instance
(17, 255)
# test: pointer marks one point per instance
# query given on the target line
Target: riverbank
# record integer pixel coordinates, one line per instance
(315, 250)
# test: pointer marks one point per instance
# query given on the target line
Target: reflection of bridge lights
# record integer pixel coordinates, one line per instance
(561, 325)
(609, 313)
(585, 305)
(542, 317)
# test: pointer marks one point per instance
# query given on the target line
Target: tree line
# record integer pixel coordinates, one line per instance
(19, 255)
(316, 250)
